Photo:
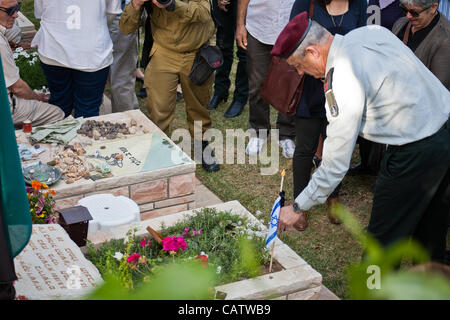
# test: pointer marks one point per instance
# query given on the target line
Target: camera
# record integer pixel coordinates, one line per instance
(164, 2)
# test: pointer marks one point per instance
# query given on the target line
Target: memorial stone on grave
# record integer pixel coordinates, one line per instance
(52, 267)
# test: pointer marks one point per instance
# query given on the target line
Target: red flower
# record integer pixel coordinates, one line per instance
(134, 258)
(144, 242)
(173, 243)
(203, 259)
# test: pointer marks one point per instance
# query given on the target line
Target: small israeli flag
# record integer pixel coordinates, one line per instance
(274, 216)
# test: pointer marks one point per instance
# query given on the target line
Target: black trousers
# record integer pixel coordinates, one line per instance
(258, 62)
(412, 194)
(307, 131)
(225, 39)
(371, 154)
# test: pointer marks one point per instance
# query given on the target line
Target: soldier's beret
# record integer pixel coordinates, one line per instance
(292, 36)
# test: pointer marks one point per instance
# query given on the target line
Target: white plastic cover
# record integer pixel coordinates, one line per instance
(109, 211)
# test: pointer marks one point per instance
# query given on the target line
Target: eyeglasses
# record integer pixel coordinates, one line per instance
(10, 11)
(414, 13)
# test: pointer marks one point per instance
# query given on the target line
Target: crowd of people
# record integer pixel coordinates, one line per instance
(84, 45)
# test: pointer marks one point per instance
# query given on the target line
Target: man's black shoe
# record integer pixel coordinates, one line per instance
(208, 158)
(142, 93)
(234, 110)
(216, 100)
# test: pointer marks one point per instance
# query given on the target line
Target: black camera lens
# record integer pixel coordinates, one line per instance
(164, 2)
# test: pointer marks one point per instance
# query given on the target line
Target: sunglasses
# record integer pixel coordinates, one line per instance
(413, 13)
(10, 11)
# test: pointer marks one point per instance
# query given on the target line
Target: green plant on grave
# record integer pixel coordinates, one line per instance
(211, 239)
(30, 68)
(377, 275)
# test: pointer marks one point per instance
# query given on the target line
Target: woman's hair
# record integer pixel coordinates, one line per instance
(420, 3)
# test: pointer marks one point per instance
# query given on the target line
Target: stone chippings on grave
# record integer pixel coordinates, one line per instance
(52, 267)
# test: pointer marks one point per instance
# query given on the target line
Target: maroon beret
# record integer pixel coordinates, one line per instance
(292, 36)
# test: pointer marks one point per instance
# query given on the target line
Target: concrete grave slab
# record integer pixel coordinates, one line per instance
(52, 267)
(298, 280)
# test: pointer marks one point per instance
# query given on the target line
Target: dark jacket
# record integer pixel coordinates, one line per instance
(390, 14)
(434, 51)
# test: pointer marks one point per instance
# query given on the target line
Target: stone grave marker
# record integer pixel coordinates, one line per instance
(52, 267)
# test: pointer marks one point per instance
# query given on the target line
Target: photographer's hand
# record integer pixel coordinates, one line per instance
(137, 4)
(222, 4)
(159, 5)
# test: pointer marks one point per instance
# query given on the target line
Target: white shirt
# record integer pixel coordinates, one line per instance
(74, 34)
(10, 69)
(266, 19)
(384, 93)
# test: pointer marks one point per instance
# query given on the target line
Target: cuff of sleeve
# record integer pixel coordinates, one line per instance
(129, 9)
(304, 202)
(171, 7)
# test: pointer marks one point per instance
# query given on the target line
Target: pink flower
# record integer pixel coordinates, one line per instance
(144, 242)
(197, 232)
(134, 257)
(173, 243)
(49, 220)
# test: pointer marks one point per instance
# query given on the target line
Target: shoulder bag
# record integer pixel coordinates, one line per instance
(283, 86)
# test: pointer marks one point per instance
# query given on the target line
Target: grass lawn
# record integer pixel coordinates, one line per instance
(328, 248)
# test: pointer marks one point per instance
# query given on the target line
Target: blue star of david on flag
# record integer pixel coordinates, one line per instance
(273, 226)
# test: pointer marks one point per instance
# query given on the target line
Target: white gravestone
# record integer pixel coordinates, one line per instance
(53, 267)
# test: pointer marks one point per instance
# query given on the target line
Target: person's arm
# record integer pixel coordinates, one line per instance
(114, 7)
(38, 8)
(241, 30)
(131, 16)
(342, 132)
(22, 90)
(440, 64)
(192, 11)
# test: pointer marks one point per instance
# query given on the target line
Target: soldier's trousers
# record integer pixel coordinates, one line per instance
(161, 80)
(412, 194)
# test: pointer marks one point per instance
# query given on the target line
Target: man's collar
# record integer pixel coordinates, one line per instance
(2, 29)
(334, 48)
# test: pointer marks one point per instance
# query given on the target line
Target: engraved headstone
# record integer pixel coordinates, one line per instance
(53, 267)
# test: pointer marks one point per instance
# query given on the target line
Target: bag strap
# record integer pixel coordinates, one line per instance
(311, 9)
(407, 31)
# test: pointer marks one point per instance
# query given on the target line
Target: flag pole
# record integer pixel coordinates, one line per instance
(283, 173)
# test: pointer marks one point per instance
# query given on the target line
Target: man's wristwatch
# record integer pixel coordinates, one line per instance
(296, 208)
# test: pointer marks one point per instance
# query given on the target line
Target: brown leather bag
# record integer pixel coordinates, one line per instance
(283, 86)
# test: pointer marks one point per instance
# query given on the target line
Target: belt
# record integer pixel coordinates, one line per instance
(408, 145)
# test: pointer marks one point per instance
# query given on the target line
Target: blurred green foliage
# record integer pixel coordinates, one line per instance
(379, 276)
